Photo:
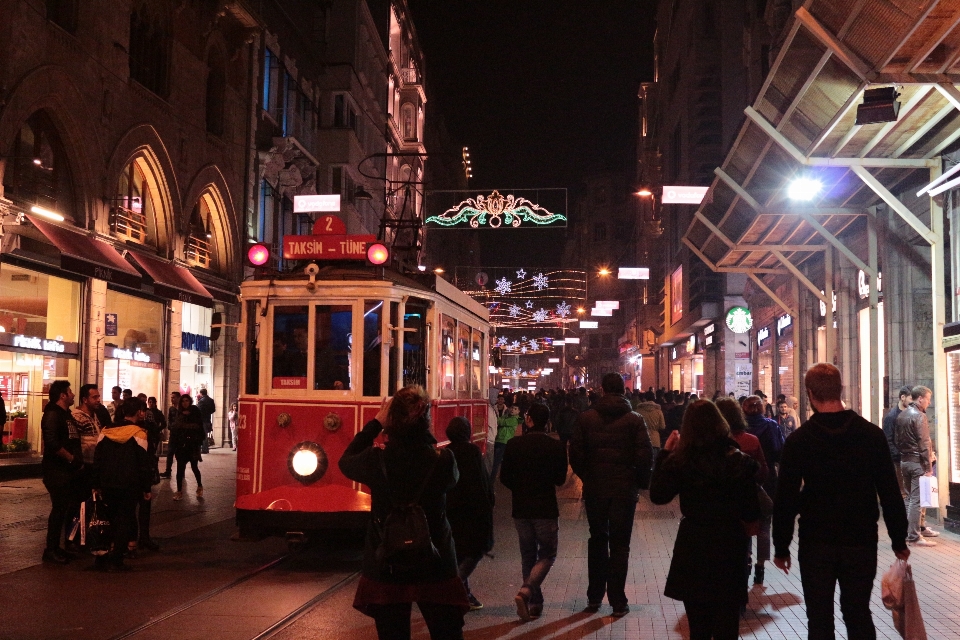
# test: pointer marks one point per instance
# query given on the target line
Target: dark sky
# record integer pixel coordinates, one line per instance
(543, 92)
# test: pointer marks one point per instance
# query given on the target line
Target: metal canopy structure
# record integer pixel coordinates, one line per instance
(803, 125)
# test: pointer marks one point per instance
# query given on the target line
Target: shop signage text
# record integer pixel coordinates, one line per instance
(782, 323)
(683, 195)
(326, 247)
(40, 344)
(762, 335)
(194, 342)
(110, 324)
(710, 328)
(127, 354)
(298, 382)
(863, 284)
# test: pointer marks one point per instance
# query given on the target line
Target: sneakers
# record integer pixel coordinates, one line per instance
(921, 542)
(199, 492)
(523, 605)
(178, 495)
(55, 556)
(619, 612)
(592, 607)
(536, 610)
(474, 603)
(927, 532)
(165, 474)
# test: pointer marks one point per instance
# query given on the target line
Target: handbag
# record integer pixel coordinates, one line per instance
(899, 594)
(99, 532)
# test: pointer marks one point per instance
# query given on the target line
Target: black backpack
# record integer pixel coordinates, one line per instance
(405, 548)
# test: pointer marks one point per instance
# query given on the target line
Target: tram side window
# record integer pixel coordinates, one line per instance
(476, 362)
(372, 346)
(463, 361)
(414, 351)
(333, 348)
(448, 336)
(290, 343)
(252, 349)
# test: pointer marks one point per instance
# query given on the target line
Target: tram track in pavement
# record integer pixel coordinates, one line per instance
(230, 603)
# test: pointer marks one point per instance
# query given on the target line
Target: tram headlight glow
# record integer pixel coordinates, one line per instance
(304, 462)
(307, 462)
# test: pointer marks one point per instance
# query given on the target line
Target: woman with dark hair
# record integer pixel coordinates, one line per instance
(717, 486)
(186, 438)
(409, 469)
(469, 504)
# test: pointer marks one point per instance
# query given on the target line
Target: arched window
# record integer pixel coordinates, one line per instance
(409, 121)
(134, 212)
(37, 173)
(216, 90)
(200, 245)
(150, 44)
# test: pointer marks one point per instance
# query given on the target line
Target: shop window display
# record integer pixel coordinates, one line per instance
(38, 344)
(133, 344)
(196, 351)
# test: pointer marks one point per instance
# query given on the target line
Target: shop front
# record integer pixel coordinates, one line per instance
(686, 366)
(134, 336)
(196, 357)
(39, 343)
(765, 364)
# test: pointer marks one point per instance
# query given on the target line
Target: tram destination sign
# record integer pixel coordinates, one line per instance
(327, 247)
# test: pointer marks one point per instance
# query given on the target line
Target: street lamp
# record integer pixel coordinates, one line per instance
(603, 271)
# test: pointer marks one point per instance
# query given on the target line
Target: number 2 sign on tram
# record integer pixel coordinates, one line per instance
(329, 241)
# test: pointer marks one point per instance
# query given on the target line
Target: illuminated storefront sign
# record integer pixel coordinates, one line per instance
(34, 343)
(739, 320)
(762, 335)
(128, 354)
(683, 195)
(783, 322)
(863, 284)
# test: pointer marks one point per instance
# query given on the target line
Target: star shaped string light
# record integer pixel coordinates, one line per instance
(521, 274)
(529, 304)
(514, 311)
(563, 309)
(504, 286)
(540, 315)
(541, 282)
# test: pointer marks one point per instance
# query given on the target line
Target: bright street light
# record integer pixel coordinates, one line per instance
(604, 271)
(804, 189)
(46, 213)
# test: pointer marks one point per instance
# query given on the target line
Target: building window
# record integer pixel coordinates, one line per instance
(133, 215)
(344, 115)
(199, 245)
(216, 90)
(63, 13)
(37, 172)
(408, 114)
(599, 232)
(149, 48)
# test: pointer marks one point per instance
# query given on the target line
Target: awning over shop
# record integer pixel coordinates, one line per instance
(172, 281)
(87, 255)
(803, 125)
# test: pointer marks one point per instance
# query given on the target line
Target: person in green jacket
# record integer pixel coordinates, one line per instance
(506, 428)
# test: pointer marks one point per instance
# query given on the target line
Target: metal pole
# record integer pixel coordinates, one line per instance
(828, 291)
(876, 403)
(938, 304)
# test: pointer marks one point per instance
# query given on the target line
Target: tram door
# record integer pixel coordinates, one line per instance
(414, 342)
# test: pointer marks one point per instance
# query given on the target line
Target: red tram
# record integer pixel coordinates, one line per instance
(321, 350)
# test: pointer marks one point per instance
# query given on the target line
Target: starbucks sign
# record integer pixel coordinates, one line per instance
(739, 319)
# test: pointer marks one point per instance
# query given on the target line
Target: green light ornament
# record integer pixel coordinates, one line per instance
(495, 210)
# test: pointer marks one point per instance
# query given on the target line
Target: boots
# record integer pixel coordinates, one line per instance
(758, 574)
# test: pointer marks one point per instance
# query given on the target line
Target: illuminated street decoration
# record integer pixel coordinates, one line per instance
(502, 341)
(529, 304)
(521, 274)
(739, 319)
(495, 210)
(522, 298)
(514, 311)
(534, 344)
(563, 309)
(540, 315)
(541, 282)
(503, 286)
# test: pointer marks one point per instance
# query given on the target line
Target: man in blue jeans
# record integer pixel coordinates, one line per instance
(533, 466)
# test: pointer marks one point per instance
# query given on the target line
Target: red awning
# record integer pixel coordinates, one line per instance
(87, 255)
(172, 281)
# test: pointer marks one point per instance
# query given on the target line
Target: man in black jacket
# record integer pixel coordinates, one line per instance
(62, 464)
(124, 472)
(611, 453)
(842, 462)
(890, 428)
(533, 466)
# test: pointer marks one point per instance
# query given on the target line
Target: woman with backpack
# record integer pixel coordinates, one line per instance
(409, 553)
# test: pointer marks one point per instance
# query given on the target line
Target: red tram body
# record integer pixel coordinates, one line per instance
(310, 383)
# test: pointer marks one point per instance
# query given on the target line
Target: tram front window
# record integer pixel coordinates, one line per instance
(290, 345)
(333, 348)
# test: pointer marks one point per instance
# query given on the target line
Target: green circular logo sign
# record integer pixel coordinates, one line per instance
(739, 319)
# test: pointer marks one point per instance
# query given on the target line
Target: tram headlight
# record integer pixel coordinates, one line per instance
(307, 462)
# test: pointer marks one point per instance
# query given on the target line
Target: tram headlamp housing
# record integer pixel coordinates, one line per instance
(307, 462)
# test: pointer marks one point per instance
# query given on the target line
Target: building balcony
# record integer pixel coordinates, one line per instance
(198, 253)
(128, 224)
(409, 76)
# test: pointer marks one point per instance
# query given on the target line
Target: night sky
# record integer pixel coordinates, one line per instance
(543, 93)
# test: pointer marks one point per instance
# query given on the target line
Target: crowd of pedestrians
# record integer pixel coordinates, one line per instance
(106, 456)
(741, 468)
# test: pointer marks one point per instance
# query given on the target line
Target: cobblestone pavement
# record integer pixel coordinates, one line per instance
(776, 610)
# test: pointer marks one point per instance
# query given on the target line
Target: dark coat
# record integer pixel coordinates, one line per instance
(610, 449)
(187, 434)
(771, 439)
(470, 502)
(408, 461)
(123, 466)
(718, 494)
(533, 466)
